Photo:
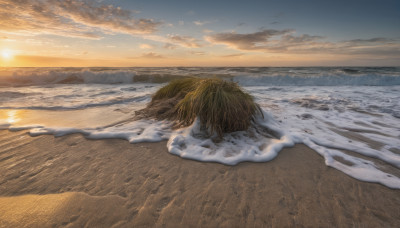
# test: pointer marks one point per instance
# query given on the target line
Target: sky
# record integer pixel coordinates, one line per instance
(155, 33)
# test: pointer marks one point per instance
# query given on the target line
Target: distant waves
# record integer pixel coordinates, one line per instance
(247, 76)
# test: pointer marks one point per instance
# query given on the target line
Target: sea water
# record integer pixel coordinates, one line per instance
(350, 116)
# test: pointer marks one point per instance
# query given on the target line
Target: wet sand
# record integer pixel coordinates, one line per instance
(74, 182)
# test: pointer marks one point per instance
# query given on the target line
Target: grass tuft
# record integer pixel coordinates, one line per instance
(177, 88)
(220, 105)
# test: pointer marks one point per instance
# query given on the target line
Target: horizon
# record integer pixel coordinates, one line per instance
(343, 66)
(109, 33)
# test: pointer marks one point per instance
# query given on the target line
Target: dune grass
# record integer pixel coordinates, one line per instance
(220, 105)
(177, 88)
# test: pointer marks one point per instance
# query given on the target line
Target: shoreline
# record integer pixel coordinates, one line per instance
(74, 181)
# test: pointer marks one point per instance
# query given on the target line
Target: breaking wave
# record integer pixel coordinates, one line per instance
(322, 76)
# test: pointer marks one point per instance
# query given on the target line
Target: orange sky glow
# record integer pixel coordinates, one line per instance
(114, 34)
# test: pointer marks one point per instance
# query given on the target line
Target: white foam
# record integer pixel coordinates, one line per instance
(250, 145)
(330, 120)
(255, 144)
(58, 131)
(360, 169)
(134, 132)
(336, 128)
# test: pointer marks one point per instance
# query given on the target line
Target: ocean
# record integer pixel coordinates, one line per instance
(348, 115)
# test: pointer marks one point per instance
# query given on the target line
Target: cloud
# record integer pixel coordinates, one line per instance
(290, 42)
(200, 53)
(72, 18)
(185, 41)
(173, 41)
(232, 55)
(170, 46)
(378, 46)
(201, 23)
(290, 39)
(152, 55)
(371, 41)
(285, 41)
(374, 46)
(249, 41)
(146, 46)
(6, 38)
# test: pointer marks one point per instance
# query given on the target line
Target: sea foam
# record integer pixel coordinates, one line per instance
(257, 144)
(354, 128)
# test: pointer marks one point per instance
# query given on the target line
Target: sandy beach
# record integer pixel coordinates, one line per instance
(74, 182)
(203, 114)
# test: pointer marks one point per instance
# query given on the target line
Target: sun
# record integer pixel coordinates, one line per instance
(6, 54)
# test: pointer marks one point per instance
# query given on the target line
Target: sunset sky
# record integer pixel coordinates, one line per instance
(199, 33)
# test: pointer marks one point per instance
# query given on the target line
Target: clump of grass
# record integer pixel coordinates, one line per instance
(164, 101)
(176, 89)
(220, 105)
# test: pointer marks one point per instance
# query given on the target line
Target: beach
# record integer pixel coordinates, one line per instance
(199, 114)
(71, 181)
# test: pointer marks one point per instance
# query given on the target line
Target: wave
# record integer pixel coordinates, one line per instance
(37, 76)
(116, 101)
(247, 76)
(322, 80)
